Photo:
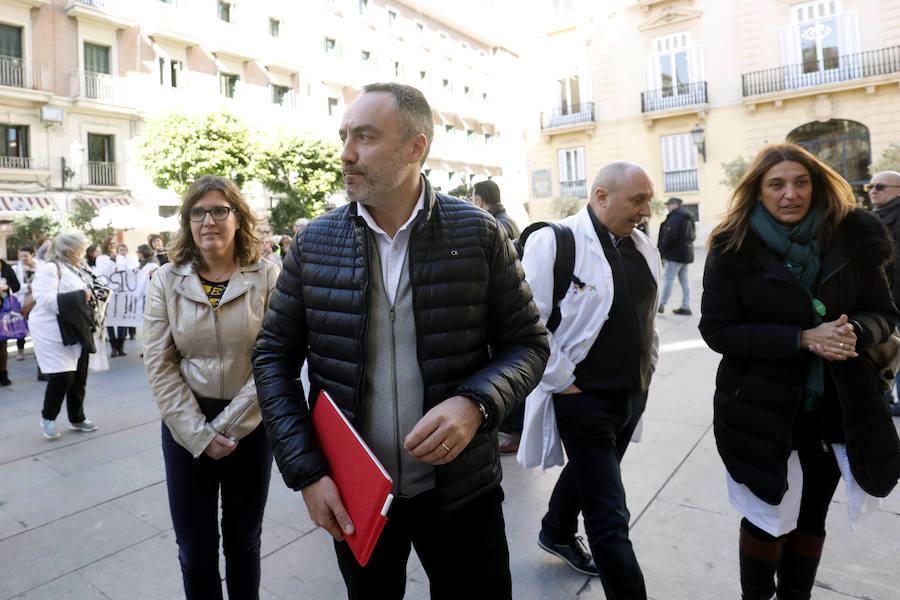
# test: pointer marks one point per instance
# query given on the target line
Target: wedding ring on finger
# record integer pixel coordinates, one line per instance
(841, 345)
(445, 447)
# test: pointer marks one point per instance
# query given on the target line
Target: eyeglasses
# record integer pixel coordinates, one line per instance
(219, 213)
(878, 187)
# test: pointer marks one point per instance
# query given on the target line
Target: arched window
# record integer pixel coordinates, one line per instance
(842, 144)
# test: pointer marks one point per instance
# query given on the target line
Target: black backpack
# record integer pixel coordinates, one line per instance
(563, 266)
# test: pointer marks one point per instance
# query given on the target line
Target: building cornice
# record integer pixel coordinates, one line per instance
(670, 15)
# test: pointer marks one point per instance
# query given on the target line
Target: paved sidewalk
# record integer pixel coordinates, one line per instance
(86, 517)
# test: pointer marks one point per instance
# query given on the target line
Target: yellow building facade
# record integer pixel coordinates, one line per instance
(683, 86)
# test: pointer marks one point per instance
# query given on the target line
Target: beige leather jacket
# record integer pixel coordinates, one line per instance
(192, 349)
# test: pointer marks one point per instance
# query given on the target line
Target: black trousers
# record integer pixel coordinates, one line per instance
(194, 485)
(68, 385)
(464, 554)
(596, 430)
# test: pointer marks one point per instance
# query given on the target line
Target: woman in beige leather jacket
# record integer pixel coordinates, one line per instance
(202, 315)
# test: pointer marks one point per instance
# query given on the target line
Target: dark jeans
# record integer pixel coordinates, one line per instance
(596, 430)
(194, 485)
(68, 385)
(464, 554)
(116, 333)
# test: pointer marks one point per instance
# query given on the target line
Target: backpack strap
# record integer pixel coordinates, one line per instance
(563, 265)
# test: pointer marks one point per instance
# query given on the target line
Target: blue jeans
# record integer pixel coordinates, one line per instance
(670, 270)
(194, 485)
(596, 430)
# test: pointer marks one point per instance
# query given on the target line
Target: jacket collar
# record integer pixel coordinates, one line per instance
(190, 287)
(429, 199)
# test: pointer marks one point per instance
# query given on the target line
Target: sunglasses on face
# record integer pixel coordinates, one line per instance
(878, 187)
(219, 213)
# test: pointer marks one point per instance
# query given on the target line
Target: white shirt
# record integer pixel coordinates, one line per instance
(392, 251)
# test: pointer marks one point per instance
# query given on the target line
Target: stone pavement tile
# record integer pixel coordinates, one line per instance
(145, 571)
(66, 545)
(68, 587)
(150, 504)
(9, 525)
(100, 448)
(306, 568)
(700, 482)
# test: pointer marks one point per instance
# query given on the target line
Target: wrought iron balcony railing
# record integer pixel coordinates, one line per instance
(681, 181)
(573, 115)
(573, 189)
(674, 96)
(845, 67)
(101, 173)
(16, 72)
(18, 162)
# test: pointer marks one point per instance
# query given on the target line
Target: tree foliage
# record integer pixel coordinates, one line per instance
(81, 218)
(889, 161)
(567, 205)
(28, 229)
(734, 170)
(303, 170)
(463, 191)
(178, 148)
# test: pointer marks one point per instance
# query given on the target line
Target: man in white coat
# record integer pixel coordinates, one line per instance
(594, 389)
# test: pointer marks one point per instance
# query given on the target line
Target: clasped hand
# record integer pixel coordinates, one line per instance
(834, 340)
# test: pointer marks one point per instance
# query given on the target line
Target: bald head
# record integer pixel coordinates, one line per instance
(620, 197)
(884, 187)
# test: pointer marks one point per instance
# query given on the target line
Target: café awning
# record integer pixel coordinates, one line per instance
(26, 203)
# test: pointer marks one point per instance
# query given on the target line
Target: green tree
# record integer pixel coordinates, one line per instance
(81, 217)
(734, 170)
(889, 161)
(463, 191)
(178, 148)
(303, 170)
(28, 229)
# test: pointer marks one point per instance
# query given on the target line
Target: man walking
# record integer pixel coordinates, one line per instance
(486, 195)
(676, 245)
(884, 193)
(414, 315)
(594, 389)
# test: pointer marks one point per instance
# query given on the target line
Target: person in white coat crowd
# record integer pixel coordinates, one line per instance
(64, 300)
(594, 389)
(25, 270)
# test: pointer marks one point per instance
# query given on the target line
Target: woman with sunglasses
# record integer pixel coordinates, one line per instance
(201, 318)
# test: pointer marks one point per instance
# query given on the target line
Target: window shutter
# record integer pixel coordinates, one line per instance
(579, 163)
(10, 41)
(695, 63)
(790, 45)
(561, 159)
(848, 33)
(654, 81)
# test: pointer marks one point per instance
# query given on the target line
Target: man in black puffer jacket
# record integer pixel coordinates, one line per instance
(676, 246)
(413, 313)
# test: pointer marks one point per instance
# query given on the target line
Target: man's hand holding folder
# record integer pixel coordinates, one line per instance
(323, 501)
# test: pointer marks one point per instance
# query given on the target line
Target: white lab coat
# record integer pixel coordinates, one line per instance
(52, 355)
(583, 314)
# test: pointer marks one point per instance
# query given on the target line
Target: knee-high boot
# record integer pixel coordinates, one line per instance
(799, 563)
(759, 560)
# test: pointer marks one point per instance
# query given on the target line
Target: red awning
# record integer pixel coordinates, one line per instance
(26, 203)
(99, 203)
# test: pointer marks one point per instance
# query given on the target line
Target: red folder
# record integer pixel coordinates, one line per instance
(364, 485)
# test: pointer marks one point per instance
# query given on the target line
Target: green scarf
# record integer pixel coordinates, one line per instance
(798, 246)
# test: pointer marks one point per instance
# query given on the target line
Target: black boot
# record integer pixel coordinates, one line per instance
(759, 561)
(114, 348)
(4, 375)
(799, 563)
(122, 347)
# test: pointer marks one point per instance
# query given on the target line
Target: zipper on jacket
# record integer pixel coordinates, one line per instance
(395, 395)
(221, 354)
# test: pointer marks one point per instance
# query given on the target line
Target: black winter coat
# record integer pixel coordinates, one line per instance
(479, 334)
(676, 237)
(753, 311)
(890, 216)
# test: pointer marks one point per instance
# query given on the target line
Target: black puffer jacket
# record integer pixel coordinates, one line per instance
(890, 216)
(478, 333)
(753, 311)
(676, 237)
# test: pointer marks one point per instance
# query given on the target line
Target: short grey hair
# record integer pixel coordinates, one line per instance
(611, 176)
(415, 112)
(68, 247)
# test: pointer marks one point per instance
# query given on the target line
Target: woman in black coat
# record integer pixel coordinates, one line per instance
(794, 294)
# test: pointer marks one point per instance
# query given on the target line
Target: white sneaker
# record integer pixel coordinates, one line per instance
(48, 428)
(85, 426)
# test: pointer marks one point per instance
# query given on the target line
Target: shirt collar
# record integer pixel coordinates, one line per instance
(367, 216)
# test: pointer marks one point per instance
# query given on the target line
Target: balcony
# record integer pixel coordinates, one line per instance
(101, 173)
(19, 162)
(97, 86)
(680, 181)
(577, 116)
(676, 96)
(573, 189)
(844, 68)
(15, 72)
(109, 13)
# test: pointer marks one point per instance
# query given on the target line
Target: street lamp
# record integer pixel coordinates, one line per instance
(697, 136)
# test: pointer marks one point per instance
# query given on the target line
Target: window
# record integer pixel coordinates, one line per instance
(819, 38)
(162, 71)
(392, 18)
(364, 56)
(420, 31)
(446, 86)
(332, 47)
(423, 75)
(484, 97)
(274, 27)
(363, 7)
(97, 83)
(398, 69)
(467, 92)
(672, 72)
(572, 179)
(282, 96)
(228, 84)
(679, 162)
(14, 147)
(332, 107)
(224, 10)
(101, 159)
(488, 139)
(11, 56)
(169, 72)
(96, 58)
(569, 95)
(562, 6)
(450, 129)
(471, 136)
